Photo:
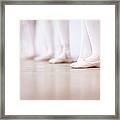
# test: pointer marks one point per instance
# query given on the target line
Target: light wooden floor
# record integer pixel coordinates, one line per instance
(43, 81)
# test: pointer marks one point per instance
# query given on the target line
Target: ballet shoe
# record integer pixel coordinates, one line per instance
(60, 60)
(63, 57)
(29, 57)
(83, 63)
(93, 58)
(43, 58)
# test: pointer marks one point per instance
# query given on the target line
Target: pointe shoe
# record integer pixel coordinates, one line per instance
(83, 63)
(60, 60)
(43, 58)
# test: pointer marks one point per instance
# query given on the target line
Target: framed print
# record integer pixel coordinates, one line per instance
(59, 59)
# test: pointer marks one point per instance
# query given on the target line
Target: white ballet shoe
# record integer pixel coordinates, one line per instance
(60, 60)
(75, 63)
(93, 58)
(29, 57)
(63, 57)
(83, 63)
(43, 58)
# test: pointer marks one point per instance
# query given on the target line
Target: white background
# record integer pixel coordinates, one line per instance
(15, 106)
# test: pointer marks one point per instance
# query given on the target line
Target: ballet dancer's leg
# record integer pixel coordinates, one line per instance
(27, 30)
(62, 28)
(93, 29)
(47, 33)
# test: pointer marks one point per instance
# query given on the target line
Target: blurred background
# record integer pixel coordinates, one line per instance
(33, 41)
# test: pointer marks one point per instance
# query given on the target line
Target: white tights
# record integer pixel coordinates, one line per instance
(56, 31)
(27, 34)
(93, 33)
(91, 30)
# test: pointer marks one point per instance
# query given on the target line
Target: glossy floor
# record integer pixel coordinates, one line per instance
(44, 81)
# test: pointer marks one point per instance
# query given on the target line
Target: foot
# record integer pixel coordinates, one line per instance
(29, 57)
(64, 57)
(84, 63)
(43, 58)
(93, 58)
(60, 60)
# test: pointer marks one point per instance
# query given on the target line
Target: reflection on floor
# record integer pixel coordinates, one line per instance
(44, 81)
